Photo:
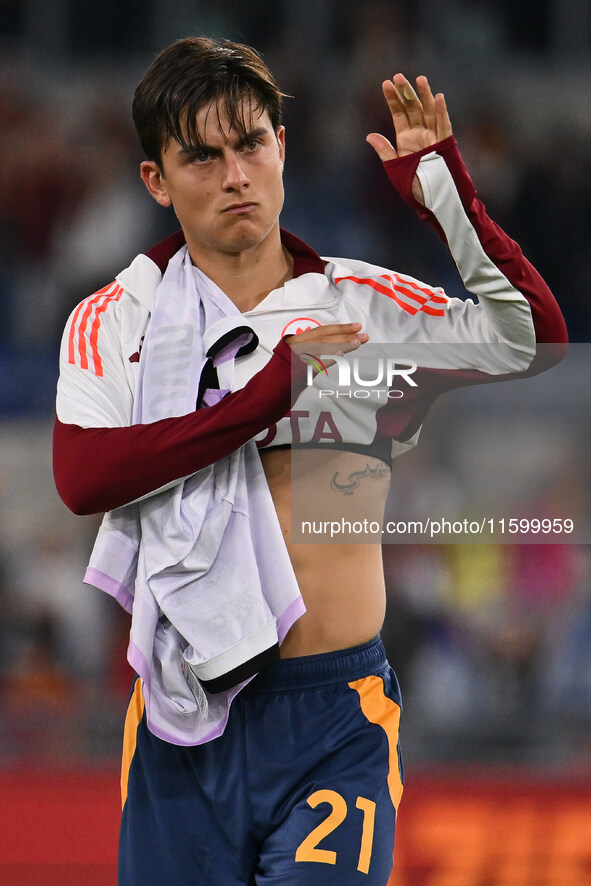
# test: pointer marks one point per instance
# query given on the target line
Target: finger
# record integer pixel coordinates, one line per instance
(323, 348)
(358, 339)
(335, 329)
(409, 99)
(396, 106)
(444, 129)
(383, 148)
(326, 344)
(332, 341)
(329, 329)
(428, 102)
(347, 347)
(324, 333)
(336, 351)
(307, 350)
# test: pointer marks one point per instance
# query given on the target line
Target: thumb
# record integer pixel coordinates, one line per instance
(381, 146)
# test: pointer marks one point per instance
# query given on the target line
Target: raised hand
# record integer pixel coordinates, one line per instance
(420, 119)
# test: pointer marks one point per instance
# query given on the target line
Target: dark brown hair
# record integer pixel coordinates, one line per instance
(191, 74)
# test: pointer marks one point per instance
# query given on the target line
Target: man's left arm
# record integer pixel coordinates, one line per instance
(515, 304)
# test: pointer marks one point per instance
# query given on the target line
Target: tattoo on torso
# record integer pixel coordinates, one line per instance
(348, 487)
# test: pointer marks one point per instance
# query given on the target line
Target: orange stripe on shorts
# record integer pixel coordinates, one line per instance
(384, 712)
(135, 712)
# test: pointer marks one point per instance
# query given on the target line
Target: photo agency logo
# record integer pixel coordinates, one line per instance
(368, 377)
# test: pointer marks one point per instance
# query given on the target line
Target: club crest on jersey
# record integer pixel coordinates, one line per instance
(300, 324)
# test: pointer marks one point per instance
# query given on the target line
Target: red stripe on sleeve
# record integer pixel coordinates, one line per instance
(94, 331)
(96, 304)
(82, 331)
(395, 290)
(71, 337)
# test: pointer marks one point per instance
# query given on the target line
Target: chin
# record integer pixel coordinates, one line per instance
(246, 239)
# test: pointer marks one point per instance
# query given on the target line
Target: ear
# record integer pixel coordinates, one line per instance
(153, 178)
(281, 143)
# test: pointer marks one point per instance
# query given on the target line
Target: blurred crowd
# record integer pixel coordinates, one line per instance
(491, 642)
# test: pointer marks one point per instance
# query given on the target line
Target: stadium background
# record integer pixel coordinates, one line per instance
(492, 643)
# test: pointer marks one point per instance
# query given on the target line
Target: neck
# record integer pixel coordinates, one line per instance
(248, 276)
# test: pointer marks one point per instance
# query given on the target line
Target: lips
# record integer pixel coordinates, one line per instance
(240, 208)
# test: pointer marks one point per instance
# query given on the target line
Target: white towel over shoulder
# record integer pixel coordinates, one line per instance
(204, 559)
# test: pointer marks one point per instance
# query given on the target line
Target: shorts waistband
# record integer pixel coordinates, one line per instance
(309, 671)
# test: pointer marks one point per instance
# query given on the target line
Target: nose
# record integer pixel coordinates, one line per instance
(235, 178)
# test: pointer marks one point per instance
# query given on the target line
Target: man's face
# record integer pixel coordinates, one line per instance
(227, 197)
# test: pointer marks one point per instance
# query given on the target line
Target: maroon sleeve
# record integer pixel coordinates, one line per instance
(498, 246)
(98, 469)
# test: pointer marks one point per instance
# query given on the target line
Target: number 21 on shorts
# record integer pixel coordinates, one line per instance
(308, 848)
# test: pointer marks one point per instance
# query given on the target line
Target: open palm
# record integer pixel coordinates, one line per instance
(420, 118)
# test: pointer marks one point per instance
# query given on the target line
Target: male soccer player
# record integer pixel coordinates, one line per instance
(261, 742)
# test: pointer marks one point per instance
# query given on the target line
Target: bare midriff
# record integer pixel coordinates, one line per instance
(340, 577)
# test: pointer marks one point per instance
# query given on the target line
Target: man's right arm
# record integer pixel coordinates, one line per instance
(97, 469)
(102, 462)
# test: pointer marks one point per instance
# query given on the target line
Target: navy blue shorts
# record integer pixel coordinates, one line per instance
(302, 787)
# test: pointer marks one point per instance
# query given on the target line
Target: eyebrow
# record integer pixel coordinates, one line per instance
(248, 136)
